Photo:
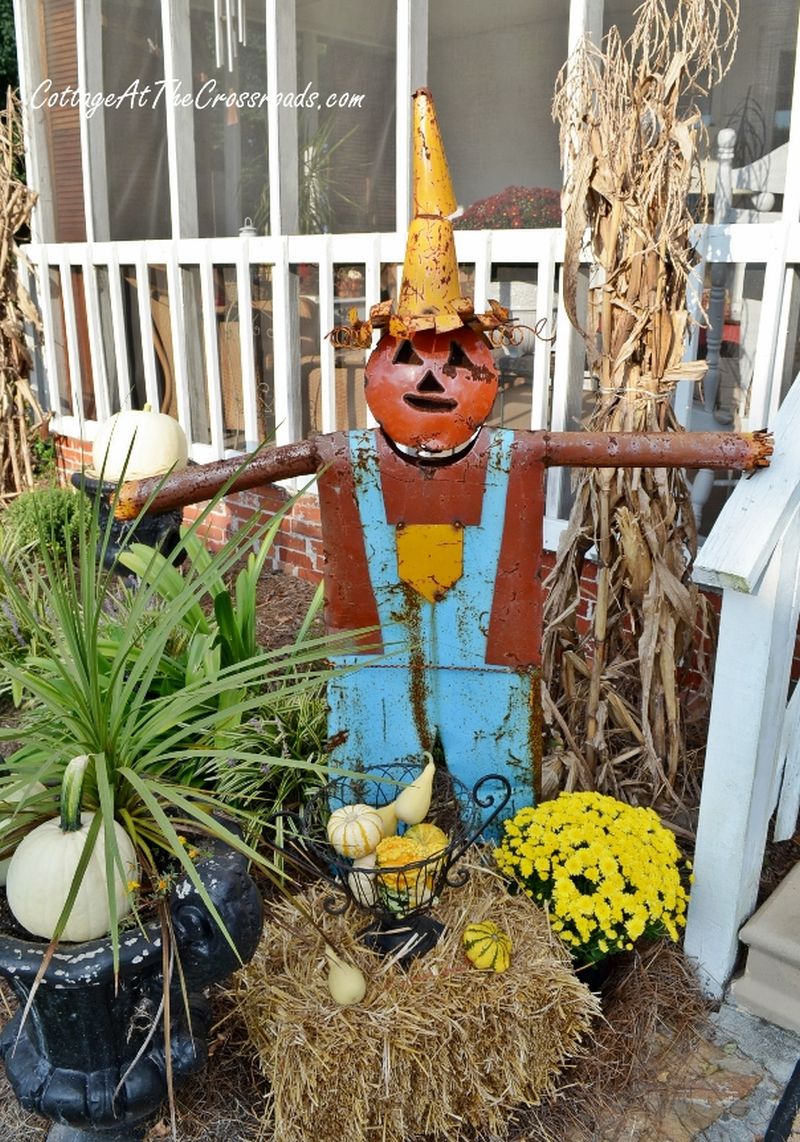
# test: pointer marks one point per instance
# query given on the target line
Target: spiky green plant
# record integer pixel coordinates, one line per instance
(148, 750)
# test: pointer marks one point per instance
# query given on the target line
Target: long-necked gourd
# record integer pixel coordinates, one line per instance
(413, 803)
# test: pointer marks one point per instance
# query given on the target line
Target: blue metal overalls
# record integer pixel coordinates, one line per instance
(435, 681)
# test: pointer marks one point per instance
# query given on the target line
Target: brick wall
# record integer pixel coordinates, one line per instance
(71, 455)
(298, 545)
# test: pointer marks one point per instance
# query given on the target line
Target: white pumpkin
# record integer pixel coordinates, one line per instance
(362, 885)
(40, 874)
(354, 830)
(19, 796)
(156, 442)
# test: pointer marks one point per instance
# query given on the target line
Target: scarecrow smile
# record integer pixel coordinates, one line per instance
(429, 403)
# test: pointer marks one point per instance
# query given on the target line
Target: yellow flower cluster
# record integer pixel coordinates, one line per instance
(610, 872)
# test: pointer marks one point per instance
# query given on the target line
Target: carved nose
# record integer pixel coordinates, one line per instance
(429, 384)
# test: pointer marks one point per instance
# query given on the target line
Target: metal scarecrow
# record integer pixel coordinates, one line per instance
(432, 522)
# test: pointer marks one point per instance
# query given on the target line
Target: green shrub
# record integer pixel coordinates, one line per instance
(52, 512)
(43, 454)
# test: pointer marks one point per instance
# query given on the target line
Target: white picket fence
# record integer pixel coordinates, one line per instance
(752, 763)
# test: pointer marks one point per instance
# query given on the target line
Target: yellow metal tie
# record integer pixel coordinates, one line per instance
(430, 557)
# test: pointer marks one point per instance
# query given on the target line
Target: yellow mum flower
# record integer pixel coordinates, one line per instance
(610, 871)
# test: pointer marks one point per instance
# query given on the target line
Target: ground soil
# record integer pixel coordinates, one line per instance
(282, 603)
(227, 1102)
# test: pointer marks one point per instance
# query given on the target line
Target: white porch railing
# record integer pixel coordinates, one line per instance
(99, 332)
(82, 384)
(534, 250)
(752, 763)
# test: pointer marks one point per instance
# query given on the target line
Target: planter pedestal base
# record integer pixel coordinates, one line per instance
(91, 1054)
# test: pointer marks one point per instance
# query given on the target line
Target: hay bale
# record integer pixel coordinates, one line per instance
(430, 1050)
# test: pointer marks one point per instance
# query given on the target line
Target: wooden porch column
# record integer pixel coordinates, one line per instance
(176, 31)
(411, 72)
(739, 788)
(283, 159)
(37, 155)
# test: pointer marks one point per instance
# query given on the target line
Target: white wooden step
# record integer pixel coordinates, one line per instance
(770, 986)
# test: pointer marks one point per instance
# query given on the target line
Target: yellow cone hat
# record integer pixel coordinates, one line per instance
(432, 187)
(429, 293)
(430, 297)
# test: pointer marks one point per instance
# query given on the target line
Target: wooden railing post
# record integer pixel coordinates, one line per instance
(754, 657)
(752, 554)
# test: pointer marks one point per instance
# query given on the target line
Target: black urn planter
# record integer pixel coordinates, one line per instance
(162, 530)
(91, 1054)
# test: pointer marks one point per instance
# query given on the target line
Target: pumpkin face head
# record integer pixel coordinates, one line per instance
(433, 391)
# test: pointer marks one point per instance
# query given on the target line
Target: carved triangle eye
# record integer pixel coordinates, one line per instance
(458, 358)
(406, 355)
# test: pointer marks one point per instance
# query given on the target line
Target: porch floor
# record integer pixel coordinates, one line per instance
(725, 1090)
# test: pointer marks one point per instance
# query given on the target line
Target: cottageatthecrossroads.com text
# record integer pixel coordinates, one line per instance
(138, 96)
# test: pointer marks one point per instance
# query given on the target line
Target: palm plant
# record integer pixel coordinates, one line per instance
(97, 690)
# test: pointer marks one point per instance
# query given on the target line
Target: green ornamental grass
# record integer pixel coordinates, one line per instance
(96, 688)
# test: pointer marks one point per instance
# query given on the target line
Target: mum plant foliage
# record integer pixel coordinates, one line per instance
(515, 208)
(609, 873)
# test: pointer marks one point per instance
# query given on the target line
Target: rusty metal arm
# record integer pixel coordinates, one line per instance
(193, 485)
(745, 450)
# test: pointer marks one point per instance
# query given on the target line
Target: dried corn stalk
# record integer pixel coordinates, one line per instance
(629, 135)
(21, 417)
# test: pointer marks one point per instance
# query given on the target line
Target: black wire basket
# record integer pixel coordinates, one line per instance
(396, 897)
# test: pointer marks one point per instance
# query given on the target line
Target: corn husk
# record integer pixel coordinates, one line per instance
(630, 133)
(21, 416)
